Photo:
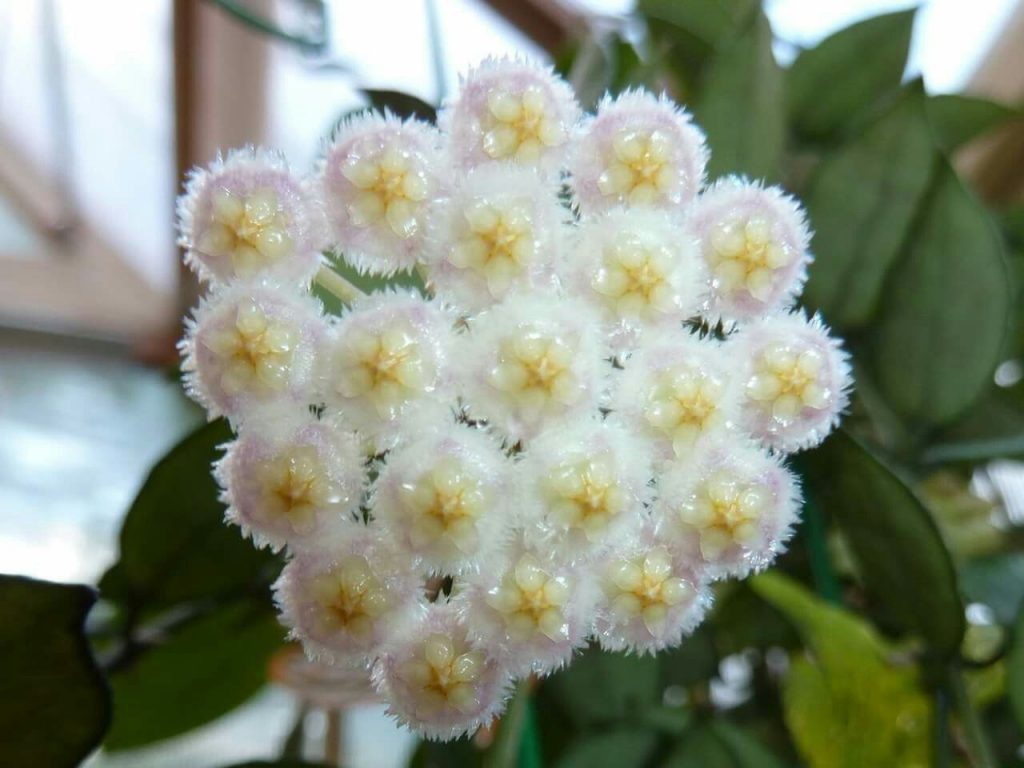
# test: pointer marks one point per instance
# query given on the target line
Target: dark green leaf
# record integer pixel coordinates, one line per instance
(701, 747)
(175, 546)
(1015, 672)
(746, 750)
(992, 428)
(623, 748)
(54, 703)
(956, 119)
(901, 556)
(996, 581)
(861, 203)
(447, 754)
(829, 85)
(204, 670)
(401, 104)
(691, 662)
(946, 308)
(605, 687)
(740, 106)
(709, 22)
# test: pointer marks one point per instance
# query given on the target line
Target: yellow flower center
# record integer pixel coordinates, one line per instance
(443, 676)
(387, 368)
(255, 352)
(351, 598)
(585, 494)
(534, 371)
(633, 277)
(391, 187)
(499, 243)
(786, 381)
(250, 230)
(645, 587)
(519, 126)
(531, 600)
(295, 486)
(640, 169)
(726, 512)
(744, 255)
(445, 504)
(683, 404)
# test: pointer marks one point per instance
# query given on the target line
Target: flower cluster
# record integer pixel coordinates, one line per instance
(573, 430)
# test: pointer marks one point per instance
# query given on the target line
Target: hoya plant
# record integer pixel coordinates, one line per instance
(523, 420)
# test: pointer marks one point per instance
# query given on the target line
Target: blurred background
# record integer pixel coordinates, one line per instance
(105, 105)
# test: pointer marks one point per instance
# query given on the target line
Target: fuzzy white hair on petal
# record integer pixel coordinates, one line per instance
(639, 150)
(509, 110)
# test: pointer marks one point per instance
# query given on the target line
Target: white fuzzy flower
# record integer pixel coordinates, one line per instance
(754, 240)
(638, 150)
(378, 177)
(435, 681)
(652, 598)
(532, 362)
(251, 345)
(292, 479)
(500, 231)
(583, 487)
(443, 496)
(678, 391)
(342, 602)
(386, 358)
(247, 215)
(733, 508)
(534, 610)
(509, 110)
(639, 267)
(796, 381)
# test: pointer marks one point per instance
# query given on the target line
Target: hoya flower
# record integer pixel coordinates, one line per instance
(435, 681)
(639, 267)
(291, 480)
(733, 508)
(343, 601)
(500, 231)
(247, 215)
(378, 177)
(443, 497)
(796, 383)
(754, 240)
(509, 110)
(251, 345)
(535, 609)
(651, 598)
(387, 356)
(532, 362)
(638, 150)
(678, 391)
(583, 487)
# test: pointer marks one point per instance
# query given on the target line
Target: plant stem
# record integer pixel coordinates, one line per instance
(825, 581)
(978, 747)
(337, 285)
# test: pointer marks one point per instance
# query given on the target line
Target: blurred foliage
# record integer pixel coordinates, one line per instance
(882, 668)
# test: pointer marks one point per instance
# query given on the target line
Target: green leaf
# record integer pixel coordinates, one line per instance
(747, 751)
(831, 84)
(403, 105)
(693, 661)
(601, 687)
(740, 106)
(205, 669)
(54, 702)
(903, 561)
(946, 308)
(175, 546)
(446, 754)
(861, 204)
(1015, 672)
(847, 688)
(709, 22)
(992, 428)
(719, 744)
(957, 119)
(622, 748)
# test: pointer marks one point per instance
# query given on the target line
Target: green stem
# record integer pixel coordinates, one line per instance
(978, 746)
(337, 285)
(825, 581)
(530, 755)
